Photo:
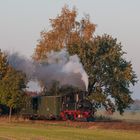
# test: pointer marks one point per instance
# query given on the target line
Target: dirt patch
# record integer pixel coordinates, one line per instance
(5, 138)
(120, 125)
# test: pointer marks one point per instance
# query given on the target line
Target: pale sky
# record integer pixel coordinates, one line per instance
(21, 22)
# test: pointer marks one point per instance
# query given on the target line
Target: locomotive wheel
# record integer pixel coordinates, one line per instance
(72, 117)
(69, 117)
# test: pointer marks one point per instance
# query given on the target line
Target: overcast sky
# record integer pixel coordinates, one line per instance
(22, 20)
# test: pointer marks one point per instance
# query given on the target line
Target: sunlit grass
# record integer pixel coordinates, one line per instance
(28, 131)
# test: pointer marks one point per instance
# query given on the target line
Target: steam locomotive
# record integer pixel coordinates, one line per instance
(71, 106)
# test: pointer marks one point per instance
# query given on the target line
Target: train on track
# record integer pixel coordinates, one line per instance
(71, 106)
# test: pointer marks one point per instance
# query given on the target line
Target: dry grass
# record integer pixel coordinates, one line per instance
(127, 116)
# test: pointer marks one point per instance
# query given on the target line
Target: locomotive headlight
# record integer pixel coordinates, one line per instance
(80, 116)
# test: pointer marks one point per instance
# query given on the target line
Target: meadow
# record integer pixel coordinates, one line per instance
(61, 131)
(129, 116)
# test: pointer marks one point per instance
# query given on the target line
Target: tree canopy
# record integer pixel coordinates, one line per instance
(12, 85)
(3, 64)
(110, 75)
(65, 30)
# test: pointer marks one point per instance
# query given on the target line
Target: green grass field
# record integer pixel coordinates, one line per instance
(33, 131)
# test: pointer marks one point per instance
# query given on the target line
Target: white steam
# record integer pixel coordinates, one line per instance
(59, 66)
(74, 65)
